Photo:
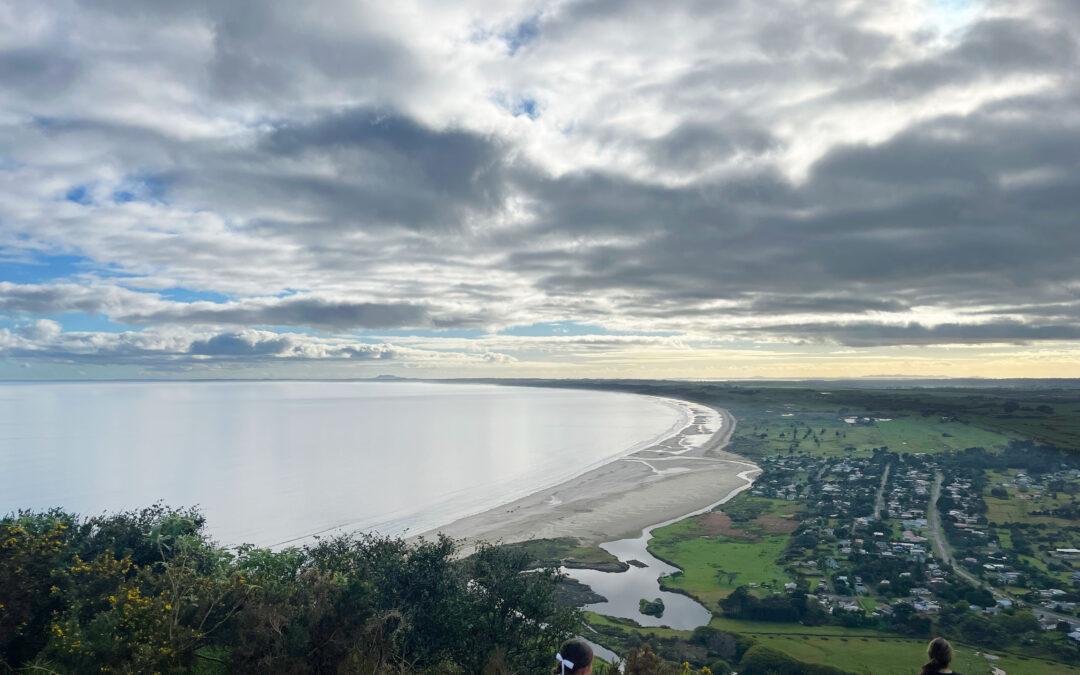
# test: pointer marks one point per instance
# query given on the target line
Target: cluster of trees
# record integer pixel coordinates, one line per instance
(892, 570)
(904, 620)
(149, 592)
(1007, 628)
(793, 607)
(1027, 455)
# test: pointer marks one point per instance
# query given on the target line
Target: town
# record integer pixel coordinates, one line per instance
(890, 535)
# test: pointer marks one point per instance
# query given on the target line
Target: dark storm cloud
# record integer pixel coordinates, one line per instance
(36, 72)
(141, 308)
(821, 304)
(387, 171)
(312, 312)
(228, 344)
(274, 51)
(60, 298)
(391, 169)
(696, 145)
(994, 48)
(953, 211)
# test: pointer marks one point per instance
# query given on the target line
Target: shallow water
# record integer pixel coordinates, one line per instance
(274, 462)
(624, 590)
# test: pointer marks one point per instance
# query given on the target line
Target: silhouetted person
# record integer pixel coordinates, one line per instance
(940, 654)
(575, 658)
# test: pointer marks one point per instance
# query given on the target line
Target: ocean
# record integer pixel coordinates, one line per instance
(275, 463)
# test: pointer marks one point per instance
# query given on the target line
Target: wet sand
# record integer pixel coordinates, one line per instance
(617, 500)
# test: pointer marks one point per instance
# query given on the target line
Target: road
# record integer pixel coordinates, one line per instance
(933, 519)
(879, 502)
(938, 535)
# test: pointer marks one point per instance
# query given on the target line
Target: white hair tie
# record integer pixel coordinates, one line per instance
(565, 663)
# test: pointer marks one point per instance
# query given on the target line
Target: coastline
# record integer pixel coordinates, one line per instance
(619, 499)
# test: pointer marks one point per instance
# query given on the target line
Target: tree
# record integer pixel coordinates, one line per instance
(72, 594)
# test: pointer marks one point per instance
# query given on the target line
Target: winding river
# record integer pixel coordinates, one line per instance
(623, 590)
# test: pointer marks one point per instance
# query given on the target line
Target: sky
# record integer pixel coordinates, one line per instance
(707, 189)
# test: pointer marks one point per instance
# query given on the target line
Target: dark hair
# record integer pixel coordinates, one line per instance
(940, 654)
(577, 652)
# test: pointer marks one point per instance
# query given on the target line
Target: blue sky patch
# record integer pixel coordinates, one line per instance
(80, 194)
(526, 106)
(522, 34)
(518, 105)
(141, 188)
(43, 268)
(34, 267)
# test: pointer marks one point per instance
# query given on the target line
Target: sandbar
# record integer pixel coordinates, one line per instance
(617, 500)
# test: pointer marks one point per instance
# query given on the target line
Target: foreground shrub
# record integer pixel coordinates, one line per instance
(148, 591)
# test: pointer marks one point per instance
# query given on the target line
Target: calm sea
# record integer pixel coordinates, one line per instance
(273, 462)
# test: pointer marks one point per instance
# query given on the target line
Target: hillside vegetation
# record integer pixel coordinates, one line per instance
(149, 592)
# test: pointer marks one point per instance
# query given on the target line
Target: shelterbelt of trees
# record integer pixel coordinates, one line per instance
(148, 592)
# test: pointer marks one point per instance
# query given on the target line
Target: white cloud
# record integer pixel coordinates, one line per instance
(727, 171)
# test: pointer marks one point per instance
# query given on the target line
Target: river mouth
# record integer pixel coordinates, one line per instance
(625, 590)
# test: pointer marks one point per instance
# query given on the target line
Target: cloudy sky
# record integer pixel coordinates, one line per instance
(558, 188)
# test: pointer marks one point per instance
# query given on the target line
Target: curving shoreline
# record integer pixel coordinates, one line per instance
(618, 500)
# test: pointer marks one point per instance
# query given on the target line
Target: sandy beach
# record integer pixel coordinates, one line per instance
(620, 499)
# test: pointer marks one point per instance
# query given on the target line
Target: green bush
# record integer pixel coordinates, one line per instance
(148, 591)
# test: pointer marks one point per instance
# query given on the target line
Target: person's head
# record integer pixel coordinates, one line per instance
(940, 654)
(574, 658)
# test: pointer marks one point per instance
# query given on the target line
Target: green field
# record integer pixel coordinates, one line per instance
(855, 649)
(746, 508)
(715, 566)
(1020, 505)
(892, 656)
(1062, 428)
(903, 433)
(919, 434)
(773, 628)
